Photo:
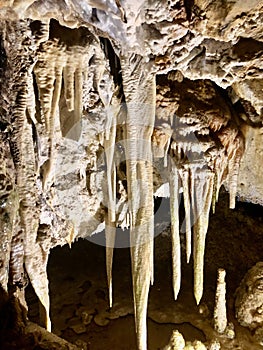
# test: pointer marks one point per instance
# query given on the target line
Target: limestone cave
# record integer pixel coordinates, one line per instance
(131, 188)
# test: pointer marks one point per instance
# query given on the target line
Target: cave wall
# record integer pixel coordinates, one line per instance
(102, 103)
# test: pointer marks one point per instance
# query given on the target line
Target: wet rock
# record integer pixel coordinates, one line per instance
(76, 325)
(82, 345)
(258, 336)
(120, 311)
(102, 319)
(85, 314)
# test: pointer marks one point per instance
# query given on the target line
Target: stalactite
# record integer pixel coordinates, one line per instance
(68, 76)
(45, 76)
(60, 63)
(203, 199)
(110, 233)
(78, 104)
(233, 168)
(139, 89)
(233, 144)
(220, 166)
(203, 163)
(110, 222)
(184, 174)
(57, 63)
(175, 227)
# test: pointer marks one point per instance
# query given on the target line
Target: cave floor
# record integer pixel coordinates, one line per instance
(79, 298)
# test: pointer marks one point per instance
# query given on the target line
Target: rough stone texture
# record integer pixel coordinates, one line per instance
(249, 299)
(77, 78)
(250, 175)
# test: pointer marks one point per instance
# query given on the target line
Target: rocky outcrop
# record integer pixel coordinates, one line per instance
(249, 299)
(102, 102)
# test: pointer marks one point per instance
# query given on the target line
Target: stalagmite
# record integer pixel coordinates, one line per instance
(176, 342)
(176, 247)
(139, 89)
(203, 199)
(220, 313)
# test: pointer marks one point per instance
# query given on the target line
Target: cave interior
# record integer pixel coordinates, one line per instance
(131, 188)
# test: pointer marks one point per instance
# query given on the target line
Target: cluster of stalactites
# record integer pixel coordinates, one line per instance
(195, 131)
(198, 169)
(53, 66)
(138, 127)
(58, 65)
(198, 165)
(198, 189)
(199, 177)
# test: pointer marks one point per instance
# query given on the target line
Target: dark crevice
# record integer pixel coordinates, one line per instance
(245, 108)
(247, 48)
(3, 58)
(68, 36)
(35, 27)
(188, 4)
(114, 62)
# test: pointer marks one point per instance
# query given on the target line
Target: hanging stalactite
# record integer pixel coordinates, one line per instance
(203, 200)
(139, 90)
(110, 219)
(175, 227)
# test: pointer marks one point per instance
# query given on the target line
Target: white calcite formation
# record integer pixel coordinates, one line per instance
(94, 94)
(220, 312)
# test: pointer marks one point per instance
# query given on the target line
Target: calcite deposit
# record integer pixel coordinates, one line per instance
(102, 103)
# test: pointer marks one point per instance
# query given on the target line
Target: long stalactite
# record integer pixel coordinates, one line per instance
(139, 127)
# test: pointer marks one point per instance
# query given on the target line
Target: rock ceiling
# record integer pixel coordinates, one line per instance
(105, 102)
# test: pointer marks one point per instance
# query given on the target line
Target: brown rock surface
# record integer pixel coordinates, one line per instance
(102, 103)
